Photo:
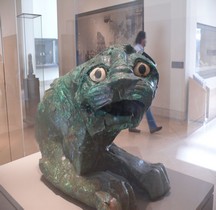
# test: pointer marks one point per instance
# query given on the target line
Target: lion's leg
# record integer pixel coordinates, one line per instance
(150, 177)
(102, 190)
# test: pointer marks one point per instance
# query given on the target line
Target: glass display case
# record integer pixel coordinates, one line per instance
(206, 50)
(32, 76)
(85, 27)
(204, 77)
(5, 154)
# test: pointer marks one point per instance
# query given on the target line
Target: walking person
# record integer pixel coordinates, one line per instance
(140, 43)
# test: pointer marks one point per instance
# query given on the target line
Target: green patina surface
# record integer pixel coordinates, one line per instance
(80, 116)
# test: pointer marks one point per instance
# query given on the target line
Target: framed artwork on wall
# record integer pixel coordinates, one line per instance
(206, 50)
(46, 52)
(96, 30)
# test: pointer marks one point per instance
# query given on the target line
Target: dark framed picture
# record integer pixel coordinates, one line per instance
(96, 30)
(205, 50)
(46, 52)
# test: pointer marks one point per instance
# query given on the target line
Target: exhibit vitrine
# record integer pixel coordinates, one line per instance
(5, 154)
(171, 41)
(31, 73)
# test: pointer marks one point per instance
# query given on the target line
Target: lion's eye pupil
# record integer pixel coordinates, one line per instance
(98, 74)
(142, 69)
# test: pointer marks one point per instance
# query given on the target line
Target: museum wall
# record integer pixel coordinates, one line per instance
(190, 52)
(85, 5)
(165, 26)
(66, 27)
(66, 35)
(171, 31)
(48, 11)
(170, 27)
(164, 22)
(205, 12)
(11, 78)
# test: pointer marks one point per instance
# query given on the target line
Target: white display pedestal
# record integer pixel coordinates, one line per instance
(22, 180)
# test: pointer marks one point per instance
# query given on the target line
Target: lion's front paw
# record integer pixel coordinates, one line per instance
(115, 193)
(155, 181)
(105, 201)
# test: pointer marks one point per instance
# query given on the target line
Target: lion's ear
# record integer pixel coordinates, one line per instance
(149, 57)
(129, 49)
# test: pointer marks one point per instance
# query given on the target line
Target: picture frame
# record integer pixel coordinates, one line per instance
(97, 30)
(46, 52)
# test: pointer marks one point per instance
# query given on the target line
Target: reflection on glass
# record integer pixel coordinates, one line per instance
(5, 155)
(46, 53)
(96, 30)
(32, 79)
(30, 28)
(206, 50)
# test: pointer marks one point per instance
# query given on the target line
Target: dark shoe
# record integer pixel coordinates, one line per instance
(155, 129)
(134, 130)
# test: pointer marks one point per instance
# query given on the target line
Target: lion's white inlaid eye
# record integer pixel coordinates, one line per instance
(98, 74)
(141, 69)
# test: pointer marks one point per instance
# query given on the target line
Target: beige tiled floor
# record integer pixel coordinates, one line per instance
(187, 148)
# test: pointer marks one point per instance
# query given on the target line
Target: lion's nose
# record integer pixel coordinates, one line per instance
(124, 81)
(123, 85)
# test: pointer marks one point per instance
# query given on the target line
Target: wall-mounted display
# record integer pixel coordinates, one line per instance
(98, 29)
(46, 53)
(4, 125)
(206, 50)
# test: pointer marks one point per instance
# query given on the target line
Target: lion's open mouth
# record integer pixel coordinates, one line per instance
(125, 108)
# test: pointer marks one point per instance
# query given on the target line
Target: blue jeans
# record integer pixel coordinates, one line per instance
(150, 119)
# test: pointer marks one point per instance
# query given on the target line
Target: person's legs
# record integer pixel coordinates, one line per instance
(150, 119)
(151, 122)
